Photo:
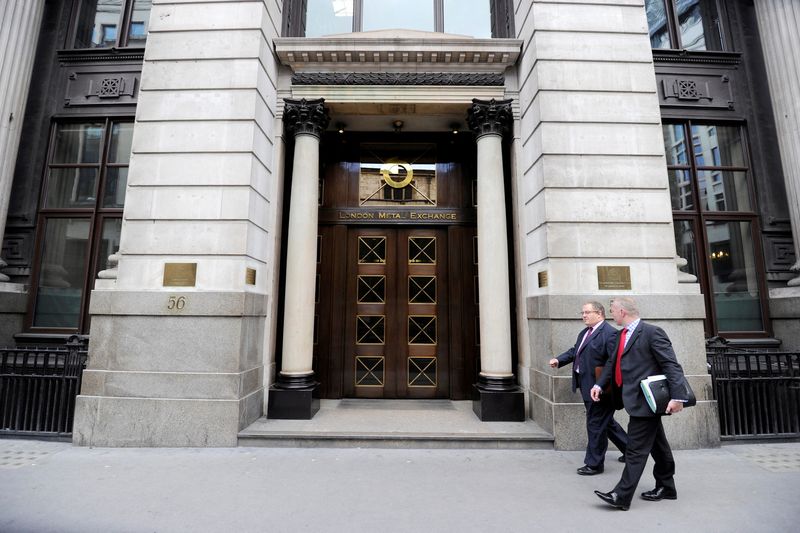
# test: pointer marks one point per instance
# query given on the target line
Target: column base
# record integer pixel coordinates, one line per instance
(498, 400)
(293, 398)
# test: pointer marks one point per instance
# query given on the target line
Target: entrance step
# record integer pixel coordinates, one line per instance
(352, 423)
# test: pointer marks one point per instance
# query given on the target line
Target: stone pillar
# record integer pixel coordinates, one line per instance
(780, 39)
(293, 395)
(497, 396)
(19, 31)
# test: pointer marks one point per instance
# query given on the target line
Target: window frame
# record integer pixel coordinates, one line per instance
(676, 44)
(697, 218)
(500, 12)
(123, 27)
(97, 215)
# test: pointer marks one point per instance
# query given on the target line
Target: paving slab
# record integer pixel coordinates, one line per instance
(54, 487)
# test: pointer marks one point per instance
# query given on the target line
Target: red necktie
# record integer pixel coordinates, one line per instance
(620, 349)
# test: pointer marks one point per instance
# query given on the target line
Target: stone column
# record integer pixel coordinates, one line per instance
(780, 39)
(19, 31)
(497, 395)
(293, 395)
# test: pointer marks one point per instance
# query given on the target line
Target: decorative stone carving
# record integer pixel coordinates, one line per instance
(398, 78)
(489, 117)
(111, 271)
(305, 116)
(696, 91)
(684, 277)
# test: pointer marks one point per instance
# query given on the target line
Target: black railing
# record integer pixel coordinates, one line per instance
(757, 392)
(38, 386)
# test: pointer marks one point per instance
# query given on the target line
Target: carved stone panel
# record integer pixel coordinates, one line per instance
(696, 90)
(91, 87)
(778, 253)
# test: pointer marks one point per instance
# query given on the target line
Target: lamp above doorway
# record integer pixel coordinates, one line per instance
(397, 125)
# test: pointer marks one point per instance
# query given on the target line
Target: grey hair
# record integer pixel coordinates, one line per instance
(597, 306)
(627, 303)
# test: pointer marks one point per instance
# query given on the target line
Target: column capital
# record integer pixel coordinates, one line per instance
(489, 116)
(305, 116)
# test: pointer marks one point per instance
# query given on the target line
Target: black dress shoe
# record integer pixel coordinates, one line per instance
(612, 499)
(587, 470)
(621, 458)
(660, 493)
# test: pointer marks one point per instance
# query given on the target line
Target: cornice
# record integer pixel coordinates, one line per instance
(397, 52)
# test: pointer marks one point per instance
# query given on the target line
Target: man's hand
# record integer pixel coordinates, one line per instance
(674, 406)
(553, 363)
(595, 393)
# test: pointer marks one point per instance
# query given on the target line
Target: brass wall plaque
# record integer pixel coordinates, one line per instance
(180, 274)
(614, 278)
(250, 276)
(543, 279)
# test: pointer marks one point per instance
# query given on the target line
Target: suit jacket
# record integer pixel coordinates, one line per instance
(593, 353)
(648, 352)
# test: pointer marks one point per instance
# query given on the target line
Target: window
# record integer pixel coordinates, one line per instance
(716, 228)
(465, 17)
(80, 219)
(684, 24)
(98, 22)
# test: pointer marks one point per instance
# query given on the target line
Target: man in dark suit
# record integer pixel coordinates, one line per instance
(642, 350)
(592, 349)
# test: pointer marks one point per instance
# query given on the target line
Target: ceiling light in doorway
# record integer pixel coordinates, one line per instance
(340, 126)
(454, 127)
(397, 125)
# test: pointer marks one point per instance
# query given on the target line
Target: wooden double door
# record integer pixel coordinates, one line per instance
(396, 313)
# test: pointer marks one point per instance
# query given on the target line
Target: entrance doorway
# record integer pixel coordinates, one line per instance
(396, 316)
(397, 307)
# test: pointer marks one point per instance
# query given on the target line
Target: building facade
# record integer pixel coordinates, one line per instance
(249, 205)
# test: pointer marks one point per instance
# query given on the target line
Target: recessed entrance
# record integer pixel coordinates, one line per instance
(396, 312)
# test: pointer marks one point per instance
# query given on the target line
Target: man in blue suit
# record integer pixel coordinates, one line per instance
(591, 351)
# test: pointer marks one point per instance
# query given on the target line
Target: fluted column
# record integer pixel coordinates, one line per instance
(292, 396)
(19, 32)
(499, 398)
(779, 27)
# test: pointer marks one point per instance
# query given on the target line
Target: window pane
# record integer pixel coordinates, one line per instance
(116, 181)
(77, 143)
(140, 17)
(468, 17)
(699, 25)
(121, 136)
(722, 190)
(734, 276)
(398, 175)
(62, 274)
(109, 242)
(675, 144)
(686, 246)
(680, 190)
(329, 17)
(657, 22)
(97, 23)
(404, 14)
(71, 187)
(717, 146)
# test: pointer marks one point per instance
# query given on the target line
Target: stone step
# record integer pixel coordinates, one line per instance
(395, 424)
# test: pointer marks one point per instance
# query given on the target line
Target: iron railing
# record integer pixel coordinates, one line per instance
(757, 392)
(38, 386)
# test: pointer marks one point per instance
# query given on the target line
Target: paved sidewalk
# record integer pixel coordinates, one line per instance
(52, 486)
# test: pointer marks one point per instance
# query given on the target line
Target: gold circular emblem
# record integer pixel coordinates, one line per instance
(391, 168)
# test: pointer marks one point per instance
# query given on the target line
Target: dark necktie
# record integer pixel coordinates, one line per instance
(620, 349)
(583, 343)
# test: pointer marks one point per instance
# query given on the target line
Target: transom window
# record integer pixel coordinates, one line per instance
(111, 23)
(80, 219)
(464, 17)
(716, 226)
(685, 24)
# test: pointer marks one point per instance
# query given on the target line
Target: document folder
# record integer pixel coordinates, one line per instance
(656, 392)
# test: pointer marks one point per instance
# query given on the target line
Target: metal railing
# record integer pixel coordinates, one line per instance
(757, 392)
(38, 387)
